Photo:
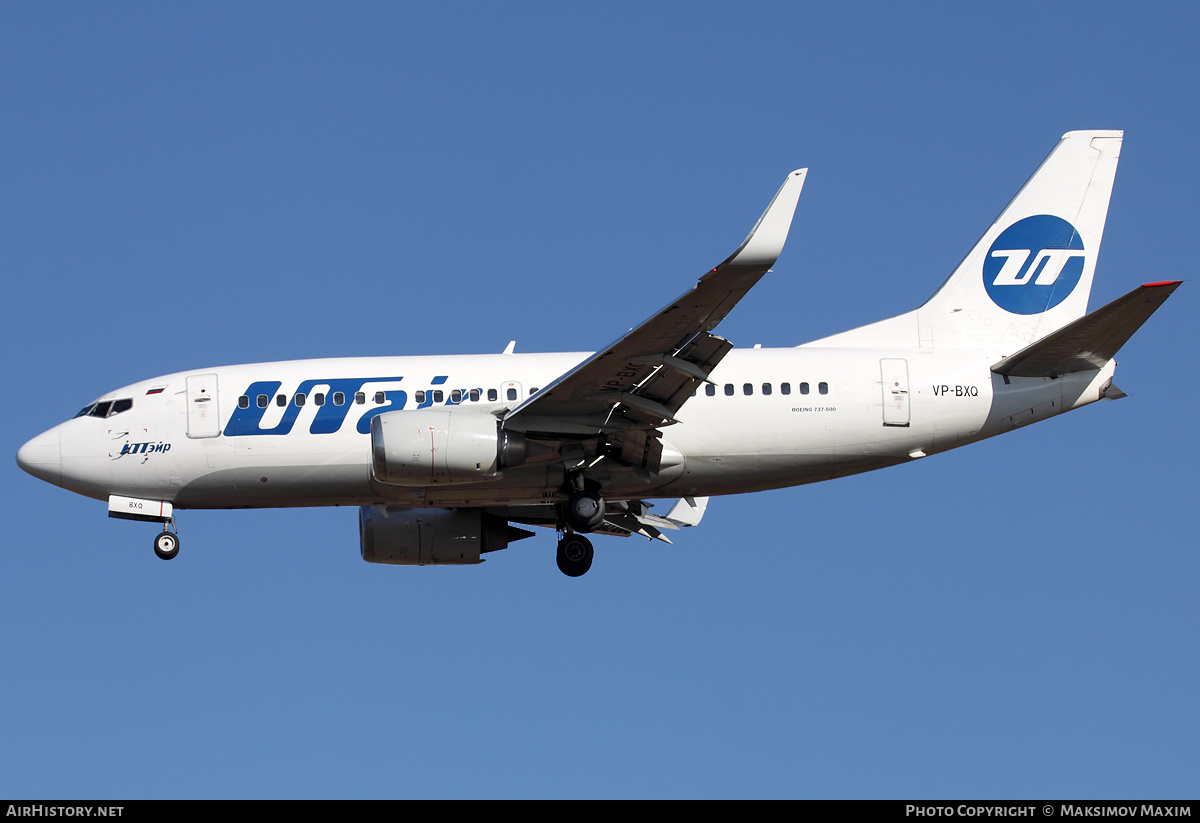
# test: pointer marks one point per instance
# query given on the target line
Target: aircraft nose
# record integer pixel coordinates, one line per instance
(42, 457)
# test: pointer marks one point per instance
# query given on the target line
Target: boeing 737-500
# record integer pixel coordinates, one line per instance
(448, 457)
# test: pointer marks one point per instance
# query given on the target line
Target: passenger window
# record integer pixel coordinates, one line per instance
(474, 395)
(300, 398)
(281, 400)
(379, 398)
(785, 388)
(766, 388)
(360, 398)
(512, 394)
(243, 402)
(823, 388)
(420, 397)
(493, 395)
(319, 399)
(456, 396)
(438, 397)
(262, 401)
(339, 398)
(804, 388)
(729, 390)
(747, 389)
(710, 390)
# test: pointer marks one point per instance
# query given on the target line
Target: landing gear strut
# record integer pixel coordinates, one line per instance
(574, 555)
(166, 545)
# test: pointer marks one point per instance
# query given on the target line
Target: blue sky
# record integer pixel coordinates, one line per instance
(189, 187)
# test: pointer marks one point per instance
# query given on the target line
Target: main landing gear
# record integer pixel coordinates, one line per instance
(574, 555)
(583, 512)
(166, 545)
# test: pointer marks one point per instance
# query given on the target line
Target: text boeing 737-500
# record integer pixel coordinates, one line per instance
(444, 454)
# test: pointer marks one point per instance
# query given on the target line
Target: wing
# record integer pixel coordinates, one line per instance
(639, 382)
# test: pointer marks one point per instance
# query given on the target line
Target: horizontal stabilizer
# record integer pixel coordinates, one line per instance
(1092, 340)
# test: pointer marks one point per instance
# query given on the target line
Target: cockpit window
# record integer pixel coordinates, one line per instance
(106, 408)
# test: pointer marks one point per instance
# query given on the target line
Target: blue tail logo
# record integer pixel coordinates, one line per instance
(1034, 264)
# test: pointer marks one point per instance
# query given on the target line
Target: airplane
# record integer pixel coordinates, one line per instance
(448, 457)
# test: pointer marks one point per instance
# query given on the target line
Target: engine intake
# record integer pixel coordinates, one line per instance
(429, 447)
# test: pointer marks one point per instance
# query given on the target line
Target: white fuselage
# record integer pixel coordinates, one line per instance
(774, 418)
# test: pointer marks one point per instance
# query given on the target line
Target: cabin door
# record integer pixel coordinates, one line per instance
(894, 371)
(203, 417)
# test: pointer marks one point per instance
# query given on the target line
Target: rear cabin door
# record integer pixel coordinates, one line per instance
(203, 416)
(894, 371)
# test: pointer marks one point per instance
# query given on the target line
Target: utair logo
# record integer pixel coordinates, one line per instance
(1034, 264)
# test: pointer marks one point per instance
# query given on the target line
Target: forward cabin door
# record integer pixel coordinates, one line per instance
(894, 371)
(203, 417)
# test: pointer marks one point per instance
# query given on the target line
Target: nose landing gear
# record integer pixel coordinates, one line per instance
(166, 545)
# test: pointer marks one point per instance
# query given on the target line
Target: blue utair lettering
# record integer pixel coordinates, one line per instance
(440, 380)
(329, 417)
(144, 448)
(463, 395)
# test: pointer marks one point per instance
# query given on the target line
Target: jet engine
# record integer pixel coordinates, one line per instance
(428, 447)
(428, 537)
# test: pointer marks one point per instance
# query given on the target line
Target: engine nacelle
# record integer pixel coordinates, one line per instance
(428, 447)
(427, 537)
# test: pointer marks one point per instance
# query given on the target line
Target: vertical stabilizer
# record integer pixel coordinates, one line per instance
(1031, 272)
